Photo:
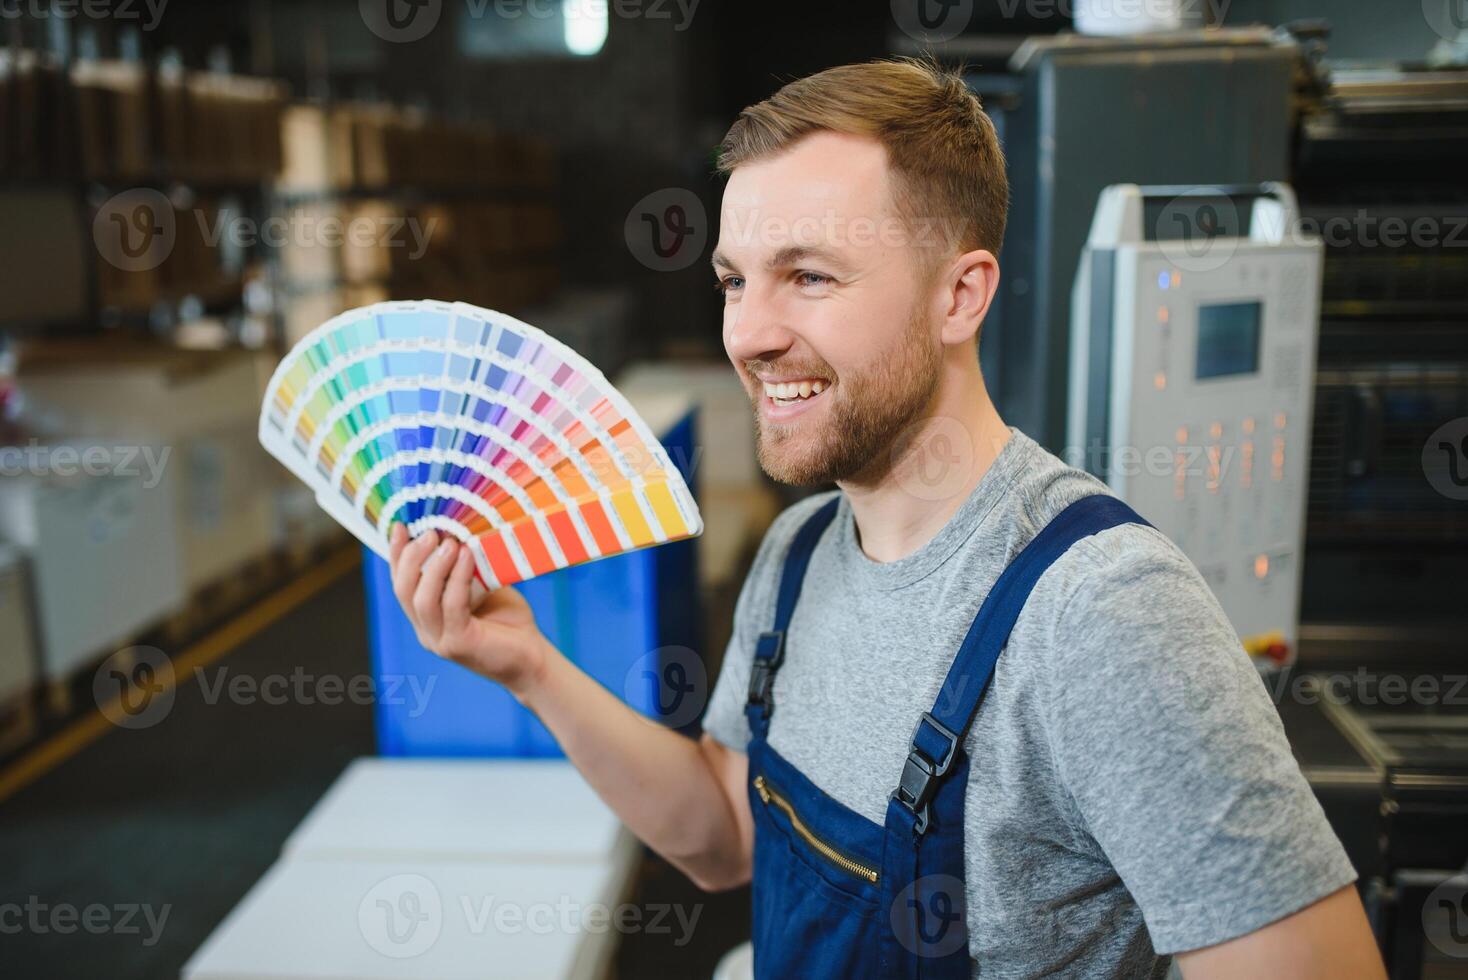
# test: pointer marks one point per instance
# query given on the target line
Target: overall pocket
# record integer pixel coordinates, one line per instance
(816, 903)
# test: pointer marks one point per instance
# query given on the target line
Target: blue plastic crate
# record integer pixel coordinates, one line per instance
(607, 616)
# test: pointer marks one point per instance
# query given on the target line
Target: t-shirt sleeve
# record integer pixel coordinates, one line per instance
(1167, 741)
(754, 610)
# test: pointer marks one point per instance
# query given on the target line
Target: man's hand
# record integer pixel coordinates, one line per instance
(493, 633)
(686, 799)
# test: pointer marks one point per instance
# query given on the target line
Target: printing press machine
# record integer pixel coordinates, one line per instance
(1371, 688)
(1385, 742)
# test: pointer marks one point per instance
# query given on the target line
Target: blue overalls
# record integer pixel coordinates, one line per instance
(835, 895)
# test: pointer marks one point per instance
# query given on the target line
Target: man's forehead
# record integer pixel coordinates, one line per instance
(820, 170)
(806, 195)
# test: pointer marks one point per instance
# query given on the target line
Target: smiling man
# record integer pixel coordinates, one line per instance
(976, 717)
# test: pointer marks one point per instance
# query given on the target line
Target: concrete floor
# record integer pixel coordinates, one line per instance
(182, 817)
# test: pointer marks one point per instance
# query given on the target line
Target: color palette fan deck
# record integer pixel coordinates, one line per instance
(463, 420)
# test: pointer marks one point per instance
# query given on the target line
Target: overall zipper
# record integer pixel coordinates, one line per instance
(768, 794)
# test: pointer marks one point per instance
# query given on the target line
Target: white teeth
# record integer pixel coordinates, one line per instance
(792, 390)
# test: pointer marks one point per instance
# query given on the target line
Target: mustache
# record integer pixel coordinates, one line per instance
(821, 371)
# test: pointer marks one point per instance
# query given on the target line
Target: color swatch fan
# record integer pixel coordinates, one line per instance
(463, 420)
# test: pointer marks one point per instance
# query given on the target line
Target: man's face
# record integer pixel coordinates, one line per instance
(826, 314)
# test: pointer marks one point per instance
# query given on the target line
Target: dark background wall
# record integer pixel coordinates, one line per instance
(647, 111)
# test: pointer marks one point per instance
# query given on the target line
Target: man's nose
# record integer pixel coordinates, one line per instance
(756, 328)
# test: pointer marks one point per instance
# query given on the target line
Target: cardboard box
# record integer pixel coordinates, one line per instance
(367, 253)
(113, 121)
(308, 257)
(226, 516)
(305, 149)
(144, 392)
(103, 552)
(305, 311)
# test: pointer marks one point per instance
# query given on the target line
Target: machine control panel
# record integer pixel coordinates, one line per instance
(1192, 375)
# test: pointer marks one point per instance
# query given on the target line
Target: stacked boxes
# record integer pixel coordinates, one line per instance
(111, 99)
(202, 409)
(393, 204)
(219, 129)
(166, 152)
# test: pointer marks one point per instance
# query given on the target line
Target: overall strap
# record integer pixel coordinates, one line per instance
(940, 731)
(769, 651)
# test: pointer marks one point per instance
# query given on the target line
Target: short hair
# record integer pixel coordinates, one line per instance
(941, 146)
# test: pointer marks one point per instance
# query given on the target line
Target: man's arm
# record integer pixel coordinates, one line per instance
(1324, 941)
(1179, 768)
(685, 799)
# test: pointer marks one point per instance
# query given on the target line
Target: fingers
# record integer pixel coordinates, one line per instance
(406, 566)
(456, 605)
(428, 596)
(397, 540)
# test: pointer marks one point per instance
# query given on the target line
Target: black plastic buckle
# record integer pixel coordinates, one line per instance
(920, 774)
(769, 653)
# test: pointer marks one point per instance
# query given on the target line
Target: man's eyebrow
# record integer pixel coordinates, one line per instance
(794, 254)
(785, 257)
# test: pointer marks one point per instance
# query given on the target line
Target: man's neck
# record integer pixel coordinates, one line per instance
(934, 468)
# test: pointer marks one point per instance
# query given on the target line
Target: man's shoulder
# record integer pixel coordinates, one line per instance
(1114, 589)
(1046, 486)
(1121, 578)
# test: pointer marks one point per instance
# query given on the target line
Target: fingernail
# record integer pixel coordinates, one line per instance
(443, 549)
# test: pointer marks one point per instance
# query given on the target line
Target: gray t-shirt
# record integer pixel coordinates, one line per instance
(1131, 789)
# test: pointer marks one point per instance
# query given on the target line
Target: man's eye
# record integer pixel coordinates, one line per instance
(812, 279)
(728, 283)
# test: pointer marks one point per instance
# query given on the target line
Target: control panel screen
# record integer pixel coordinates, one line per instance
(1228, 339)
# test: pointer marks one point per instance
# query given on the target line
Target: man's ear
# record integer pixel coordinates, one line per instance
(969, 284)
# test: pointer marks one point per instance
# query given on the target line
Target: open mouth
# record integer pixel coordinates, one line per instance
(786, 393)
